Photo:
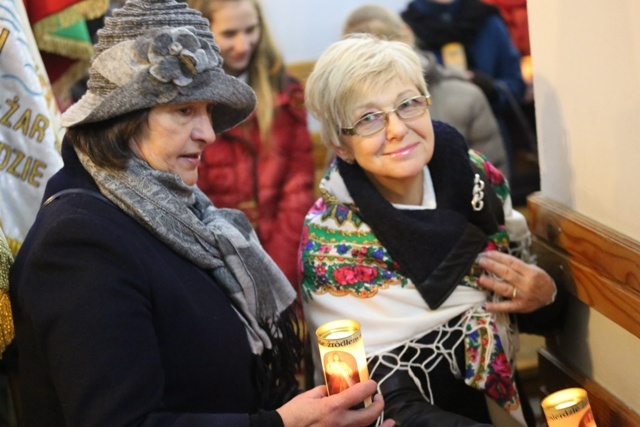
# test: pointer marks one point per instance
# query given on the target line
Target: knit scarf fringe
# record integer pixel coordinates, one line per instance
(275, 377)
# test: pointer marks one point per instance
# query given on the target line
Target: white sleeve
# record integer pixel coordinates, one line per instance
(519, 233)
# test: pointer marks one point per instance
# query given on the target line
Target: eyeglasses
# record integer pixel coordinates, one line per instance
(371, 123)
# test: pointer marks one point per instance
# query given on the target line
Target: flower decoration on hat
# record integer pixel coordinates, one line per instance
(176, 55)
(166, 55)
(154, 52)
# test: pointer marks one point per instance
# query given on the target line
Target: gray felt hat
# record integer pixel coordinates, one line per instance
(153, 52)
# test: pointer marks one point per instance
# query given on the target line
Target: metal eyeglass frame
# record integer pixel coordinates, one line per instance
(350, 131)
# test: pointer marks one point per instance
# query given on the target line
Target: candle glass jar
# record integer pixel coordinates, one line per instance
(568, 408)
(342, 354)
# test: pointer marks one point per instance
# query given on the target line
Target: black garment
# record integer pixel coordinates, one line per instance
(434, 31)
(457, 405)
(434, 247)
(114, 328)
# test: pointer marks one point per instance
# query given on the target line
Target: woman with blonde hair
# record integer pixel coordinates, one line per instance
(456, 101)
(414, 238)
(264, 166)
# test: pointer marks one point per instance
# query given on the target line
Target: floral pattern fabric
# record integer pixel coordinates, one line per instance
(341, 255)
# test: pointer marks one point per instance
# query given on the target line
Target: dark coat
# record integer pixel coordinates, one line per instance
(115, 329)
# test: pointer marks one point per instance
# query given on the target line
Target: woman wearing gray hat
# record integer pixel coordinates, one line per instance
(136, 301)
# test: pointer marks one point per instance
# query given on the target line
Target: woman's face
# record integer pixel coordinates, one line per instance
(394, 157)
(236, 28)
(175, 137)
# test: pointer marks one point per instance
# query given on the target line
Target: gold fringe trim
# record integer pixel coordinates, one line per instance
(65, 47)
(87, 9)
(6, 321)
(6, 259)
(14, 245)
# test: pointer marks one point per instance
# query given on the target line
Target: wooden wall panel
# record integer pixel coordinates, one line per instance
(597, 264)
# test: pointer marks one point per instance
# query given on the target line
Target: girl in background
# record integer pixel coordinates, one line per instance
(264, 166)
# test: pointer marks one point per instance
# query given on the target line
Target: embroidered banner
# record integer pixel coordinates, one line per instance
(30, 131)
(61, 30)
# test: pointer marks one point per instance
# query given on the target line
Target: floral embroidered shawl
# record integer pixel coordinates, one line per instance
(342, 255)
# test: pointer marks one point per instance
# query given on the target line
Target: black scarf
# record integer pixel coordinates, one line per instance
(434, 248)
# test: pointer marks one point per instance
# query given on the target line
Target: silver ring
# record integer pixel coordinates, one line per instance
(498, 278)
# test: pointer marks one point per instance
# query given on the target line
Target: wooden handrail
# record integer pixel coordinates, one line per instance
(599, 265)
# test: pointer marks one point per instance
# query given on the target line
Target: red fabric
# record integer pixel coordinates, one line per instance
(39, 9)
(59, 62)
(57, 68)
(514, 12)
(56, 65)
(237, 165)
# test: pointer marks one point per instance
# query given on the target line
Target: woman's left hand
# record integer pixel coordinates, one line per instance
(525, 287)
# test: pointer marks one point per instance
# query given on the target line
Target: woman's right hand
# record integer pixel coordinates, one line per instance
(315, 408)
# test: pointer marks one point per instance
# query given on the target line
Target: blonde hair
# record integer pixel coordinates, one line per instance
(351, 69)
(266, 67)
(379, 21)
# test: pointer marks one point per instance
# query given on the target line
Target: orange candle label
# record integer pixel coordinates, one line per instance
(342, 354)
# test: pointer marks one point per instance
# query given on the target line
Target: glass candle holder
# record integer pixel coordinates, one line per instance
(568, 408)
(342, 354)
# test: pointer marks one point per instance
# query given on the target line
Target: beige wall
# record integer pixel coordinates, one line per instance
(586, 59)
(303, 29)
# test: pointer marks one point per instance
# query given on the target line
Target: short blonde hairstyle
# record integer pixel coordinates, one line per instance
(352, 69)
(379, 21)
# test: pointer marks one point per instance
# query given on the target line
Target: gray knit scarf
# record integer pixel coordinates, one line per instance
(220, 241)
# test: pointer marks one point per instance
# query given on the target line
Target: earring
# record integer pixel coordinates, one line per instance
(349, 160)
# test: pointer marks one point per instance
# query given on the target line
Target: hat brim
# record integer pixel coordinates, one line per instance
(233, 99)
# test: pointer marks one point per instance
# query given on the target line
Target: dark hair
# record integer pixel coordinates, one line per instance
(107, 142)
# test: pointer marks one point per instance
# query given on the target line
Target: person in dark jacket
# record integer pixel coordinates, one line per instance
(414, 237)
(136, 301)
(490, 55)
